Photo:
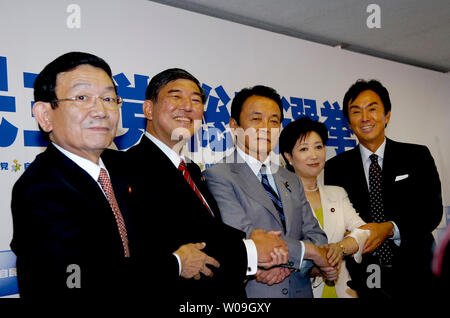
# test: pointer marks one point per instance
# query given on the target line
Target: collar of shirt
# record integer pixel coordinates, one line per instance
(366, 153)
(172, 155)
(91, 168)
(255, 165)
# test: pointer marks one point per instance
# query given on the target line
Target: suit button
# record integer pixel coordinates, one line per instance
(284, 291)
(290, 263)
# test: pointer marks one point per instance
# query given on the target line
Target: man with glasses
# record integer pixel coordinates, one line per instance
(70, 218)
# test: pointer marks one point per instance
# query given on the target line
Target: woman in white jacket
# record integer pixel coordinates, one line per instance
(302, 144)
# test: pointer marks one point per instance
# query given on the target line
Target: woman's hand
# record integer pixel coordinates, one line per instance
(334, 254)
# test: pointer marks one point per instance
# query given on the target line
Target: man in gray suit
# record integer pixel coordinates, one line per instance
(253, 192)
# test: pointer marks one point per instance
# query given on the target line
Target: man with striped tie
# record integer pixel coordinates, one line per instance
(253, 191)
(176, 207)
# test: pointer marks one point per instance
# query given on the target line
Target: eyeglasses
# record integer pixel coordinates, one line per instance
(86, 101)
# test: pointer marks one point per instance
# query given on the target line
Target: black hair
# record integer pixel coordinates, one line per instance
(45, 83)
(259, 90)
(362, 85)
(299, 129)
(162, 79)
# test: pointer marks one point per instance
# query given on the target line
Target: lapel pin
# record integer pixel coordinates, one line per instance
(286, 184)
(332, 210)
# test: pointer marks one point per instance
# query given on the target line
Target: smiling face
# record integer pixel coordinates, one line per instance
(84, 132)
(368, 119)
(259, 126)
(177, 112)
(308, 156)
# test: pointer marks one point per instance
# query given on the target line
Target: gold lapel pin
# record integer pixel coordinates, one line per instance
(286, 184)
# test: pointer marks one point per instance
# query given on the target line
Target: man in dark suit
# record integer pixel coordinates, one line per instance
(175, 203)
(394, 184)
(71, 231)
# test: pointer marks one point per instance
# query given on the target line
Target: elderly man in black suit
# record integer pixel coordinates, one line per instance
(176, 205)
(70, 217)
(395, 185)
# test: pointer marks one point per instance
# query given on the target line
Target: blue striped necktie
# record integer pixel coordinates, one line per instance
(273, 196)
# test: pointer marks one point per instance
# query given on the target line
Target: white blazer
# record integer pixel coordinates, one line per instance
(339, 216)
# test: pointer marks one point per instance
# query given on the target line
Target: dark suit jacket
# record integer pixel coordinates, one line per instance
(61, 217)
(414, 203)
(169, 215)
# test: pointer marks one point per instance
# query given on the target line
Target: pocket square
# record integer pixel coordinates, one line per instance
(404, 176)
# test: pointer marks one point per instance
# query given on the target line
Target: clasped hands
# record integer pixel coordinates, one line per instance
(271, 250)
(327, 258)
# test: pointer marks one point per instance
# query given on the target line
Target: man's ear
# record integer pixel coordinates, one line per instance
(387, 118)
(233, 124)
(147, 108)
(43, 113)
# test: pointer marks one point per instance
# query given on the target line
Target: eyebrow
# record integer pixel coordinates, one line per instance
(305, 143)
(260, 113)
(179, 91)
(358, 106)
(78, 84)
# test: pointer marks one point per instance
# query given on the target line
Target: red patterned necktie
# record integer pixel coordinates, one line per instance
(104, 181)
(183, 168)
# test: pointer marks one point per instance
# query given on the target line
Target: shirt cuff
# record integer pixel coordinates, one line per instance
(179, 263)
(396, 237)
(360, 237)
(302, 254)
(252, 257)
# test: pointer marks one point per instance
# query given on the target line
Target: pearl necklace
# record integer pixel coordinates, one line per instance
(312, 190)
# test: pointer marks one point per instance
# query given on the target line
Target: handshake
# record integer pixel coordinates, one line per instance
(273, 251)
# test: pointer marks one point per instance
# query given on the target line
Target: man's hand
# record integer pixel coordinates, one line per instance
(378, 233)
(319, 256)
(272, 249)
(272, 276)
(194, 261)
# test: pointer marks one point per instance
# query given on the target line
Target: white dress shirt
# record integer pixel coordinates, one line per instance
(365, 156)
(255, 165)
(252, 255)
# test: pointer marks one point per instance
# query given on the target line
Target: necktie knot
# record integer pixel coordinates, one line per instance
(374, 158)
(182, 166)
(263, 171)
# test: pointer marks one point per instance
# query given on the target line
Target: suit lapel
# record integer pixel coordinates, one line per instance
(165, 169)
(75, 177)
(283, 185)
(253, 187)
(329, 209)
(389, 164)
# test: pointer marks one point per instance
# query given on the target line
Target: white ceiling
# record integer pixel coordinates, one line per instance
(415, 32)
